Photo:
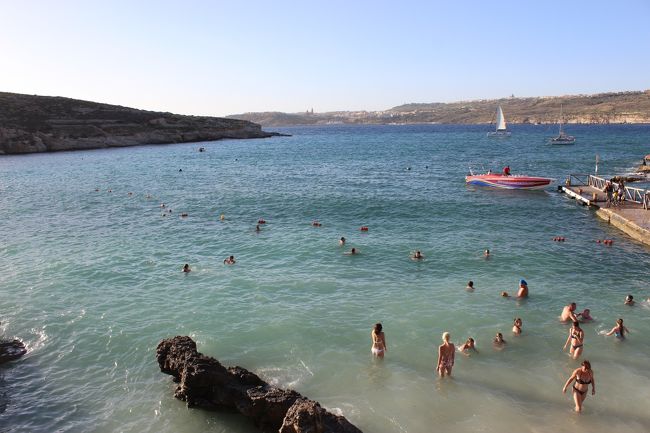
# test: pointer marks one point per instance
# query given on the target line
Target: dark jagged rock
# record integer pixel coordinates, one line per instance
(31, 123)
(10, 350)
(203, 382)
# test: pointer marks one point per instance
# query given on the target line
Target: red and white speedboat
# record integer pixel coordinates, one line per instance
(500, 180)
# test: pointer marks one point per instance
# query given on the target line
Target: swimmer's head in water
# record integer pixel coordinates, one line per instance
(353, 251)
(445, 337)
(523, 283)
(505, 294)
(470, 340)
(628, 298)
(586, 364)
(573, 306)
(378, 328)
(619, 322)
(470, 283)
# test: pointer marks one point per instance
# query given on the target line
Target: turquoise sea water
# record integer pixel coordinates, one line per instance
(91, 280)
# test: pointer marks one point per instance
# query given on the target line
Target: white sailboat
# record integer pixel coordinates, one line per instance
(501, 130)
(562, 138)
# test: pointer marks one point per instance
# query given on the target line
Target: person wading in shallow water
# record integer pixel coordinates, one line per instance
(446, 353)
(583, 376)
(378, 341)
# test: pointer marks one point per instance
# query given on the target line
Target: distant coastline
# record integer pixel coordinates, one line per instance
(31, 124)
(603, 108)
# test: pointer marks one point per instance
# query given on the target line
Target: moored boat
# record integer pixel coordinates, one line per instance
(499, 180)
(501, 128)
(563, 138)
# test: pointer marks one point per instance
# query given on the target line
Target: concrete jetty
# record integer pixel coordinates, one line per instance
(631, 215)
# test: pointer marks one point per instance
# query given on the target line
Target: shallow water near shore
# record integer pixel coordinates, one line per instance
(91, 280)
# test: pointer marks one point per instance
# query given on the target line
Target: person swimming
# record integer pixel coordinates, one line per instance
(352, 252)
(568, 314)
(342, 241)
(446, 355)
(523, 289)
(498, 341)
(229, 261)
(186, 268)
(583, 376)
(516, 327)
(486, 253)
(619, 330)
(629, 300)
(257, 228)
(467, 346)
(316, 224)
(470, 285)
(417, 256)
(505, 295)
(378, 338)
(577, 339)
(585, 316)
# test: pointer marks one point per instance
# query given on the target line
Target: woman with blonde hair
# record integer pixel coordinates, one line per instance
(446, 353)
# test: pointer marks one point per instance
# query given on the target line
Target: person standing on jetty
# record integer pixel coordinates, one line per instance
(583, 376)
(609, 192)
(568, 314)
(446, 354)
(378, 341)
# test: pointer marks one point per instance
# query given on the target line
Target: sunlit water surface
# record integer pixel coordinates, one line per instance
(91, 281)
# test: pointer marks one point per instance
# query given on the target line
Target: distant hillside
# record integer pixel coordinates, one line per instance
(30, 123)
(624, 107)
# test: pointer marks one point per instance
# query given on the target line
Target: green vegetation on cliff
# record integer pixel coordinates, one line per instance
(624, 107)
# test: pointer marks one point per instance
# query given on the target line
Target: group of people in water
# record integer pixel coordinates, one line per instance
(581, 377)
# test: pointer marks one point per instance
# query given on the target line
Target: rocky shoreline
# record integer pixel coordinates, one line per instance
(204, 383)
(31, 124)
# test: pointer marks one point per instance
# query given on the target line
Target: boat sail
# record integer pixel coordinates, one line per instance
(501, 130)
(563, 138)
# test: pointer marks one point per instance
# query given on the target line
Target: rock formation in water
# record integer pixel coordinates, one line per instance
(30, 123)
(10, 350)
(203, 382)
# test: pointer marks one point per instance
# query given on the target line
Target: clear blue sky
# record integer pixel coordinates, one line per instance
(225, 57)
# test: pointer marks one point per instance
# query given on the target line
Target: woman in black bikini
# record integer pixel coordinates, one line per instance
(583, 376)
(577, 339)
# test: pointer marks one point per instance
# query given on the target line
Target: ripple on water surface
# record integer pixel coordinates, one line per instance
(91, 280)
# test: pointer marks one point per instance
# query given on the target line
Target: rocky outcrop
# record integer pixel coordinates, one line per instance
(10, 350)
(203, 382)
(30, 123)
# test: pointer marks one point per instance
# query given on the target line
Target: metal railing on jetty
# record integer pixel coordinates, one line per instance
(635, 195)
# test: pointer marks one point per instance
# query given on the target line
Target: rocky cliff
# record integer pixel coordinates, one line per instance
(30, 123)
(604, 108)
